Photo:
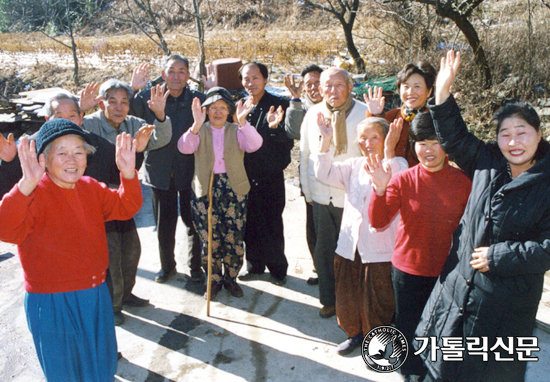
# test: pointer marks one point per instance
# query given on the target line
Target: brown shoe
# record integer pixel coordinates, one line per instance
(234, 288)
(214, 290)
(327, 311)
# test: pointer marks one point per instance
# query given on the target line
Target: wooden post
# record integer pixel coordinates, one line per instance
(209, 278)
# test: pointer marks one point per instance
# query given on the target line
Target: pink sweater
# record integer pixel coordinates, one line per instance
(247, 136)
(431, 205)
(60, 232)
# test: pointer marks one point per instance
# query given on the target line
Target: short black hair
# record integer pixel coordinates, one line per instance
(175, 57)
(423, 68)
(311, 68)
(526, 111)
(261, 67)
(422, 128)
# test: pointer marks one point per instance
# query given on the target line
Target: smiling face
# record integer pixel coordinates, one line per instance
(176, 74)
(253, 81)
(371, 140)
(335, 87)
(312, 81)
(66, 160)
(66, 108)
(218, 113)
(414, 92)
(430, 154)
(518, 141)
(116, 107)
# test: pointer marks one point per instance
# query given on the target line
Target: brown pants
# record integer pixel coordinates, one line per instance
(364, 295)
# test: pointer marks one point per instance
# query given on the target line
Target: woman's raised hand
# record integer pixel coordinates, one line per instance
(126, 155)
(392, 138)
(446, 76)
(33, 168)
(375, 100)
(379, 174)
(242, 110)
(325, 127)
(199, 114)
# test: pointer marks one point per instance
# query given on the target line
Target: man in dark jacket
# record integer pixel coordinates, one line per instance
(168, 172)
(264, 238)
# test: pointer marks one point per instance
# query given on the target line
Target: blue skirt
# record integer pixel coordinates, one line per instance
(74, 334)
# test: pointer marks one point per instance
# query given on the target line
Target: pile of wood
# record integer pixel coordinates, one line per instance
(24, 114)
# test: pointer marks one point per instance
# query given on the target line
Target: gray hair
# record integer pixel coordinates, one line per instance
(48, 109)
(374, 121)
(328, 71)
(175, 57)
(90, 150)
(115, 85)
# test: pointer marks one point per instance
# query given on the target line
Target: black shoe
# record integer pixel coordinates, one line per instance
(214, 290)
(313, 281)
(162, 276)
(197, 276)
(247, 275)
(349, 345)
(119, 318)
(278, 281)
(327, 311)
(234, 289)
(134, 300)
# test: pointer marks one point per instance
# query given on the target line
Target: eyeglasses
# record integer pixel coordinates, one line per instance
(218, 109)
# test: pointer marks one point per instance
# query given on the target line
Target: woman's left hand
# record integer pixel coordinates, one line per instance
(242, 110)
(480, 261)
(274, 117)
(126, 155)
(392, 138)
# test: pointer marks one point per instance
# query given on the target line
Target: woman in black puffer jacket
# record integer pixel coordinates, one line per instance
(492, 281)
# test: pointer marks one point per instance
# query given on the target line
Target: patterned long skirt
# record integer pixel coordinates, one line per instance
(228, 224)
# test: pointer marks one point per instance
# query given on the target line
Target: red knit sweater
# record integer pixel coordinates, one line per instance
(431, 205)
(60, 232)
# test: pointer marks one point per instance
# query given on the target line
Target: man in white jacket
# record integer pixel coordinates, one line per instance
(345, 113)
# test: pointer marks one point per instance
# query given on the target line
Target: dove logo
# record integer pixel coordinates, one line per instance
(384, 349)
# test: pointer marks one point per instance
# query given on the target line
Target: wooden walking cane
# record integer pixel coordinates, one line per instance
(209, 279)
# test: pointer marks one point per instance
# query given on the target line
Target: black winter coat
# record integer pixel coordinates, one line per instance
(513, 220)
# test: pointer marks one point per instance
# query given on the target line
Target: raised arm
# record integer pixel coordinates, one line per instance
(33, 168)
(460, 145)
(375, 101)
(8, 148)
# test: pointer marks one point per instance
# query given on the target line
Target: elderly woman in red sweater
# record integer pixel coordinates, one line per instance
(431, 198)
(56, 217)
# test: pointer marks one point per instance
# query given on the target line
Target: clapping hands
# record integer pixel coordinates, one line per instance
(274, 117)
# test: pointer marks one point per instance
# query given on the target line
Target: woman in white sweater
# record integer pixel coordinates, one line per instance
(362, 265)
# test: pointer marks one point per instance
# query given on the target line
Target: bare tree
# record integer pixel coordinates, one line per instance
(459, 12)
(345, 11)
(142, 14)
(55, 18)
(195, 12)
